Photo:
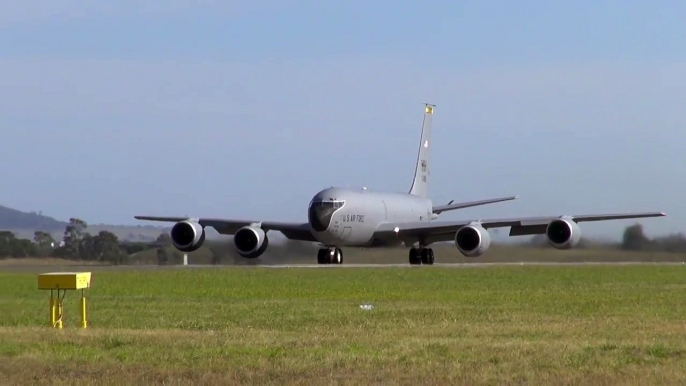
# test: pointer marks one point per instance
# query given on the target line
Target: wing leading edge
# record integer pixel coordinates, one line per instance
(437, 231)
(293, 231)
(461, 205)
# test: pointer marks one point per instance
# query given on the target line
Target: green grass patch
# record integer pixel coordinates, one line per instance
(496, 325)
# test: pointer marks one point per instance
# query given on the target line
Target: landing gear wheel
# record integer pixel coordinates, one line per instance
(427, 256)
(414, 257)
(322, 256)
(330, 256)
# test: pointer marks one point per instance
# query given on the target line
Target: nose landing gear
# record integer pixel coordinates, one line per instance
(421, 256)
(330, 255)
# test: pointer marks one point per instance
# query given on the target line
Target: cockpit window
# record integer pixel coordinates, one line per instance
(321, 212)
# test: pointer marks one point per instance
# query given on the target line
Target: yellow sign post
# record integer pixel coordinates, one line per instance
(63, 281)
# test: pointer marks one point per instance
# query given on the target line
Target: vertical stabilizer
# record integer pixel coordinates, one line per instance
(421, 172)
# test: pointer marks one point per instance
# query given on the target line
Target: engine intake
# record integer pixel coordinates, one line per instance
(187, 236)
(472, 240)
(563, 233)
(250, 242)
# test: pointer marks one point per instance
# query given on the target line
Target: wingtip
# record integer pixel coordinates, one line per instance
(663, 214)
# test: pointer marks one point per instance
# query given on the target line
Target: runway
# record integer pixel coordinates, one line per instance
(438, 265)
(152, 267)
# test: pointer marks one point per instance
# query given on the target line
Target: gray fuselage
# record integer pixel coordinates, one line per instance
(349, 217)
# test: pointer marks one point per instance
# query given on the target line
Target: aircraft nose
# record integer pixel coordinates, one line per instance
(321, 213)
(319, 216)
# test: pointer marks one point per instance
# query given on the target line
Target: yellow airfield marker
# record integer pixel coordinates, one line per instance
(63, 281)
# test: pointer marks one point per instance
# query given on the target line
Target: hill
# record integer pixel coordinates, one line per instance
(16, 219)
(24, 224)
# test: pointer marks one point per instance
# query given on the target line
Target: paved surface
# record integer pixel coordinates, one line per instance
(442, 265)
(96, 268)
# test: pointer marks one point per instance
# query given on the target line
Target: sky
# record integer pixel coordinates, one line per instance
(245, 110)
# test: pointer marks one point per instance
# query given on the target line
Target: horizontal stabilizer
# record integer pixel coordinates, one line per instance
(462, 205)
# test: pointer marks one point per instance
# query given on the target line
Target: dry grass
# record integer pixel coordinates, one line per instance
(503, 325)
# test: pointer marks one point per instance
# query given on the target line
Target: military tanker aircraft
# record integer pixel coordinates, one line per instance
(358, 217)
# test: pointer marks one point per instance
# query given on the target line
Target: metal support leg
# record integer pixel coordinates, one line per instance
(53, 309)
(60, 310)
(84, 319)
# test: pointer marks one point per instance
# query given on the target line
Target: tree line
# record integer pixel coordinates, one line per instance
(77, 244)
(633, 239)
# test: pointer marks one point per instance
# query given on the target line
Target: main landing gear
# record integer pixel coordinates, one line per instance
(330, 255)
(421, 256)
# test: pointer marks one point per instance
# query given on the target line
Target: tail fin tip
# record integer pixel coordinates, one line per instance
(421, 173)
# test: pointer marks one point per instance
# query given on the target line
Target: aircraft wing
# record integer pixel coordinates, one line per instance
(293, 231)
(461, 205)
(437, 231)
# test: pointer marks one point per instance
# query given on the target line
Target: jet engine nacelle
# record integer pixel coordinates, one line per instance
(563, 233)
(187, 236)
(472, 240)
(250, 242)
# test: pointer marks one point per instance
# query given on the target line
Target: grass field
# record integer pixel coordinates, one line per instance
(494, 325)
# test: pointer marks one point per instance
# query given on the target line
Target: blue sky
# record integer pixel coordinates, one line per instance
(246, 110)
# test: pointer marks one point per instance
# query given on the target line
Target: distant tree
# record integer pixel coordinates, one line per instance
(672, 243)
(43, 239)
(6, 240)
(86, 247)
(634, 239)
(106, 248)
(44, 243)
(73, 237)
(164, 239)
(162, 257)
(24, 248)
(11, 246)
(133, 248)
(7, 244)
(7, 236)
